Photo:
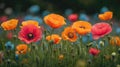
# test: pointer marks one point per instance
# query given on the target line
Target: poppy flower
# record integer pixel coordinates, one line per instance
(54, 20)
(10, 24)
(56, 38)
(21, 49)
(30, 33)
(73, 17)
(106, 15)
(115, 41)
(100, 30)
(69, 34)
(33, 22)
(82, 27)
(94, 51)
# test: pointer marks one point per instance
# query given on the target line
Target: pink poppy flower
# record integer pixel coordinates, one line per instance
(94, 51)
(100, 30)
(30, 33)
(73, 17)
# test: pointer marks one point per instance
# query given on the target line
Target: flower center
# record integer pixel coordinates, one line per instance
(70, 35)
(21, 51)
(82, 27)
(30, 36)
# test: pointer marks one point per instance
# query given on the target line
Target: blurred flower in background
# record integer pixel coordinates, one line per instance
(83, 17)
(9, 35)
(37, 18)
(73, 17)
(34, 9)
(3, 18)
(33, 14)
(9, 45)
(8, 11)
(68, 12)
(45, 12)
(118, 30)
(104, 9)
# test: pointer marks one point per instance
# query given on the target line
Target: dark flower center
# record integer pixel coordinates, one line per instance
(21, 51)
(82, 27)
(30, 36)
(70, 35)
(9, 46)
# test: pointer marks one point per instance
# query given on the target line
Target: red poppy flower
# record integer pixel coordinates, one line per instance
(30, 33)
(100, 30)
(73, 17)
(94, 51)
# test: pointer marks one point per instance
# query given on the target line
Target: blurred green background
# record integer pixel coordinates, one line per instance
(89, 6)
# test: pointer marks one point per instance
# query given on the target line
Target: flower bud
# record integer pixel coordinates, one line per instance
(90, 44)
(101, 43)
(113, 55)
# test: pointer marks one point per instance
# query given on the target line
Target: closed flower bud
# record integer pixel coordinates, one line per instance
(101, 43)
(90, 44)
(113, 55)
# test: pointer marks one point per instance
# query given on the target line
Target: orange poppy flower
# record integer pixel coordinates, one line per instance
(56, 38)
(82, 27)
(10, 24)
(69, 34)
(33, 22)
(106, 16)
(115, 41)
(21, 49)
(54, 20)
